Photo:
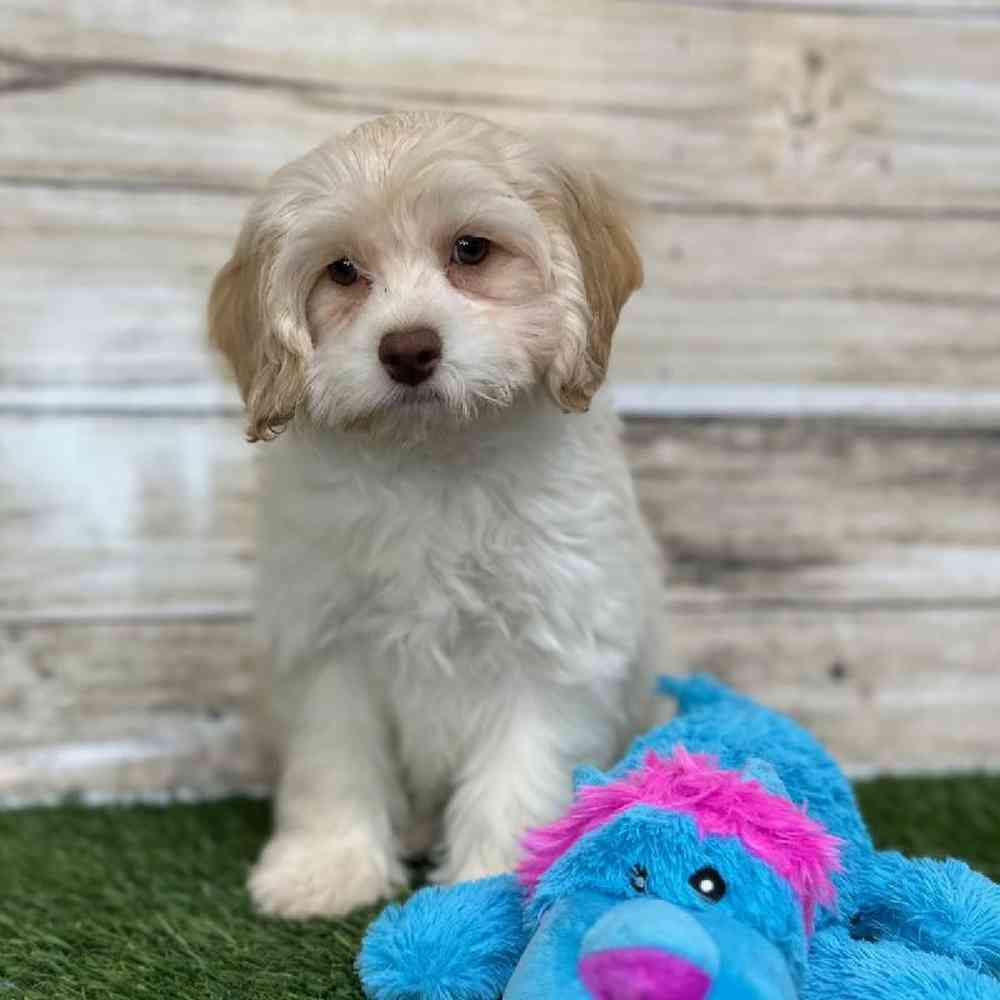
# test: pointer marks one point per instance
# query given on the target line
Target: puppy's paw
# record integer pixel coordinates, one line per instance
(302, 875)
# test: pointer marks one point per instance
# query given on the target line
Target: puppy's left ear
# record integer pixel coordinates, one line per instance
(598, 267)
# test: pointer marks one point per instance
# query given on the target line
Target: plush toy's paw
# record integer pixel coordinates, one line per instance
(443, 943)
(303, 875)
(842, 968)
(934, 906)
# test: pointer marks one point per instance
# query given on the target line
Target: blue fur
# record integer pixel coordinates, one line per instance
(751, 966)
(841, 968)
(745, 966)
(460, 943)
(904, 929)
(548, 966)
(933, 906)
(671, 850)
(716, 720)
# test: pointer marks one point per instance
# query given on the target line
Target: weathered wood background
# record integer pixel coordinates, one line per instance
(813, 371)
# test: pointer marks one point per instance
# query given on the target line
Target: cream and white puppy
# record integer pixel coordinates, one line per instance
(458, 598)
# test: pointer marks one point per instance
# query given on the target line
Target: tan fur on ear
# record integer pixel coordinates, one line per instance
(611, 269)
(270, 368)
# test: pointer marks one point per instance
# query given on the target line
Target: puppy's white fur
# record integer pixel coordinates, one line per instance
(458, 598)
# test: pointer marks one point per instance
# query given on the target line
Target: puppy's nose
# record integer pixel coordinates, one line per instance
(410, 356)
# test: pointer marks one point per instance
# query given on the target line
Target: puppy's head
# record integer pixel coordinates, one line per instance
(420, 270)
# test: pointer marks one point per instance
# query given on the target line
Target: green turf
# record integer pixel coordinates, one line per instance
(149, 902)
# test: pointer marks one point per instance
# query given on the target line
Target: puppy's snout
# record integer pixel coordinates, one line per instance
(410, 356)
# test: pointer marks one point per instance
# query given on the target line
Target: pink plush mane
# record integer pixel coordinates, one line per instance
(722, 803)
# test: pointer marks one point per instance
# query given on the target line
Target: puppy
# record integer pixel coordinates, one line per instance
(458, 599)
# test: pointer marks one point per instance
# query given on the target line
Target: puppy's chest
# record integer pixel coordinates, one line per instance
(442, 551)
(441, 566)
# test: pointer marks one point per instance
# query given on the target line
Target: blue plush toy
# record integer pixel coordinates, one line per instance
(723, 859)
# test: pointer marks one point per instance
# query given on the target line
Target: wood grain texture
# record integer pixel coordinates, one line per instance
(929, 408)
(112, 288)
(886, 689)
(112, 710)
(803, 118)
(809, 513)
(862, 8)
(139, 517)
(697, 104)
(819, 191)
(123, 517)
(900, 406)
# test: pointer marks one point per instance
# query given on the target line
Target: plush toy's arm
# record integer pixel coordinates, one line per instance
(842, 968)
(935, 906)
(457, 942)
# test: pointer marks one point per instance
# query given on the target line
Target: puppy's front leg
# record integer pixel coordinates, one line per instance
(519, 775)
(333, 848)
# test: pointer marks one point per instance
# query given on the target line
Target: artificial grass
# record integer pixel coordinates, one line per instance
(133, 902)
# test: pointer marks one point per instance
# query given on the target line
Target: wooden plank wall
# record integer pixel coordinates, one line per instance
(813, 370)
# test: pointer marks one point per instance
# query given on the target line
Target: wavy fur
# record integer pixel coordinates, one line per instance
(458, 599)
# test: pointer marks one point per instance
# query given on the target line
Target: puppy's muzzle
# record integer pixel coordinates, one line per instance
(410, 356)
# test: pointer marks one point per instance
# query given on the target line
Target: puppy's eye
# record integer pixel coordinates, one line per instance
(709, 883)
(638, 878)
(343, 271)
(470, 250)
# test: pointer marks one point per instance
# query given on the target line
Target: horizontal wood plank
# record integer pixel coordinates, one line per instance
(820, 184)
(112, 288)
(123, 517)
(700, 103)
(117, 710)
(864, 8)
(110, 711)
(776, 144)
(103, 516)
(822, 111)
(902, 407)
(108, 289)
(905, 406)
(886, 690)
(813, 513)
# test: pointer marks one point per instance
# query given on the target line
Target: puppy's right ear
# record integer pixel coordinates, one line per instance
(267, 348)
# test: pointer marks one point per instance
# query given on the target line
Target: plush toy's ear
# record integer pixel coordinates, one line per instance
(759, 770)
(586, 774)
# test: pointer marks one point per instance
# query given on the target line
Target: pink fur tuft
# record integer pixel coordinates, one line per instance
(722, 803)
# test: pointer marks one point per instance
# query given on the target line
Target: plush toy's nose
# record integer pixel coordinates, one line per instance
(642, 974)
(648, 949)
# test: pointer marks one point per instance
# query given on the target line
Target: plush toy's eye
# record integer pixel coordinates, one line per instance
(470, 250)
(861, 930)
(709, 883)
(638, 878)
(343, 271)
